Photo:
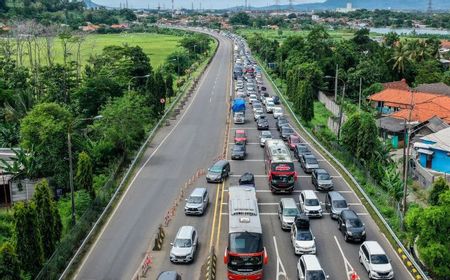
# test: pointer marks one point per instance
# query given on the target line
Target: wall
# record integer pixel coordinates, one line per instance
(441, 162)
(333, 122)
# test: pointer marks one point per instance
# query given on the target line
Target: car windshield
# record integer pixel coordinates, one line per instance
(355, 223)
(238, 147)
(216, 169)
(182, 243)
(290, 212)
(312, 202)
(195, 199)
(340, 204)
(266, 136)
(304, 236)
(245, 242)
(315, 275)
(379, 259)
(288, 130)
(295, 140)
(324, 176)
(311, 160)
(302, 149)
(240, 135)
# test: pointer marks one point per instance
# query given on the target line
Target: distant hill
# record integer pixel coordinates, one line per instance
(91, 5)
(421, 5)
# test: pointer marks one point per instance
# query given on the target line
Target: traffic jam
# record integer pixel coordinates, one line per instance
(269, 166)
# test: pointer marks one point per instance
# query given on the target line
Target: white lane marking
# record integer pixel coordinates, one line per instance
(259, 203)
(86, 257)
(281, 271)
(348, 266)
(276, 214)
(263, 176)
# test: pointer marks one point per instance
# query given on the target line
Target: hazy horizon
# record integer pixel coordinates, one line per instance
(187, 4)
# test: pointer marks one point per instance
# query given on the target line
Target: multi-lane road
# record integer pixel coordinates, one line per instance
(193, 141)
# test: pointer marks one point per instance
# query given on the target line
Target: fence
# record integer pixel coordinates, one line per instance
(333, 122)
(73, 244)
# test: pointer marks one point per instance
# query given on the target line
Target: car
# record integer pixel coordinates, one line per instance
(301, 149)
(308, 162)
(218, 172)
(240, 136)
(268, 99)
(262, 124)
(375, 261)
(252, 98)
(310, 204)
(247, 179)
(351, 226)
(257, 114)
(197, 202)
(277, 112)
(309, 268)
(287, 211)
(257, 106)
(263, 136)
(238, 151)
(286, 131)
(239, 118)
(169, 275)
(321, 180)
(335, 203)
(303, 239)
(293, 140)
(270, 106)
(276, 100)
(239, 85)
(184, 245)
(263, 88)
(282, 121)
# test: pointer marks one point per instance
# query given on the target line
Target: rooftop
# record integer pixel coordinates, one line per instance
(437, 88)
(396, 85)
(441, 139)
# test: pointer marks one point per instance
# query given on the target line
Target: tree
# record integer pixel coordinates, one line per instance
(241, 18)
(3, 6)
(84, 175)
(361, 38)
(169, 86)
(44, 130)
(48, 218)
(392, 183)
(159, 93)
(428, 72)
(367, 137)
(400, 58)
(390, 39)
(128, 14)
(439, 186)
(349, 132)
(307, 102)
(28, 242)
(9, 264)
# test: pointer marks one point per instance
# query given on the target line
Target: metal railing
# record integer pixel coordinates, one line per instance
(355, 182)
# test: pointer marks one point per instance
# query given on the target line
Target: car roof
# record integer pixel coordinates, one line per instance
(294, 136)
(311, 262)
(336, 195)
(349, 214)
(374, 248)
(198, 192)
(185, 232)
(321, 170)
(289, 202)
(309, 156)
(240, 131)
(266, 132)
(309, 194)
(221, 162)
(167, 275)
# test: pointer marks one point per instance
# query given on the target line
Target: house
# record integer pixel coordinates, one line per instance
(402, 85)
(445, 46)
(436, 88)
(434, 151)
(89, 28)
(119, 26)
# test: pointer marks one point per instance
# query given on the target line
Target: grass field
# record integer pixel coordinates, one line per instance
(157, 46)
(274, 34)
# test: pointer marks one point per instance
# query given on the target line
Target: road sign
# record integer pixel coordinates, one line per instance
(162, 100)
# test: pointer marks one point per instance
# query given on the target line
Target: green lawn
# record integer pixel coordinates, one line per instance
(157, 46)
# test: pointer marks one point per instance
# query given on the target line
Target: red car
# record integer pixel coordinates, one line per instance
(240, 136)
(293, 140)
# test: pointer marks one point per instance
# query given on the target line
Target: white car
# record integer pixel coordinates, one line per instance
(303, 241)
(375, 261)
(277, 112)
(267, 99)
(310, 204)
(270, 106)
(252, 98)
(263, 136)
(308, 267)
(258, 113)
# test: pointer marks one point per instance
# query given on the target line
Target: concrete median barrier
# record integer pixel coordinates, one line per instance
(208, 271)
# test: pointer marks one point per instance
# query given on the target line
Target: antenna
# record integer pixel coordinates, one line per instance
(126, 4)
(192, 6)
(430, 6)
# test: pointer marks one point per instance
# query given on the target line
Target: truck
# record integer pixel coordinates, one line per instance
(238, 109)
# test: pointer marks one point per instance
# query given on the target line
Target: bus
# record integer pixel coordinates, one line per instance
(279, 166)
(245, 254)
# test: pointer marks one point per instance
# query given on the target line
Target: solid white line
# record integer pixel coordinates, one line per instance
(244, 128)
(348, 266)
(281, 271)
(91, 248)
(260, 203)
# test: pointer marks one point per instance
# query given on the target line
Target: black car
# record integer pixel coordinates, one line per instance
(351, 226)
(301, 149)
(276, 100)
(286, 131)
(281, 121)
(247, 179)
(262, 124)
(321, 179)
(218, 172)
(239, 151)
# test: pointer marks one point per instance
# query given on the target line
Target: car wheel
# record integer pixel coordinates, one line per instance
(346, 237)
(360, 261)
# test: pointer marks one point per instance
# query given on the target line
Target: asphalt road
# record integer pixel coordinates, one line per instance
(174, 155)
(328, 238)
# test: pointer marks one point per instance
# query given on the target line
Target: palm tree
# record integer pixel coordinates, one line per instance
(417, 50)
(401, 57)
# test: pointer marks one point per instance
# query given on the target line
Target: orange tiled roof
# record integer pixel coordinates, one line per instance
(445, 44)
(438, 106)
(397, 85)
(401, 97)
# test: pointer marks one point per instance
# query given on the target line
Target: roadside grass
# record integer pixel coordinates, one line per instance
(6, 225)
(156, 46)
(345, 34)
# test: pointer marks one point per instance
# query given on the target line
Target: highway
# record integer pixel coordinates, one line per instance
(175, 154)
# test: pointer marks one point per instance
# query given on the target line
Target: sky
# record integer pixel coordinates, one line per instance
(205, 4)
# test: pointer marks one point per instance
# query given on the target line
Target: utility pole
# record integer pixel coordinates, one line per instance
(126, 4)
(341, 113)
(173, 7)
(430, 6)
(406, 159)
(360, 92)
(336, 83)
(291, 7)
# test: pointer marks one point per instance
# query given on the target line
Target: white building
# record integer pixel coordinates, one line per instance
(348, 8)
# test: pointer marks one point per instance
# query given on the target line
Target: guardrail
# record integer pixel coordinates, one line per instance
(133, 164)
(409, 260)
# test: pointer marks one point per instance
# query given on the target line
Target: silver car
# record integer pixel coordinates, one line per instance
(197, 202)
(184, 246)
(287, 211)
(263, 136)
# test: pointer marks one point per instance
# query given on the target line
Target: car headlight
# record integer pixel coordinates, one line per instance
(349, 233)
(363, 232)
